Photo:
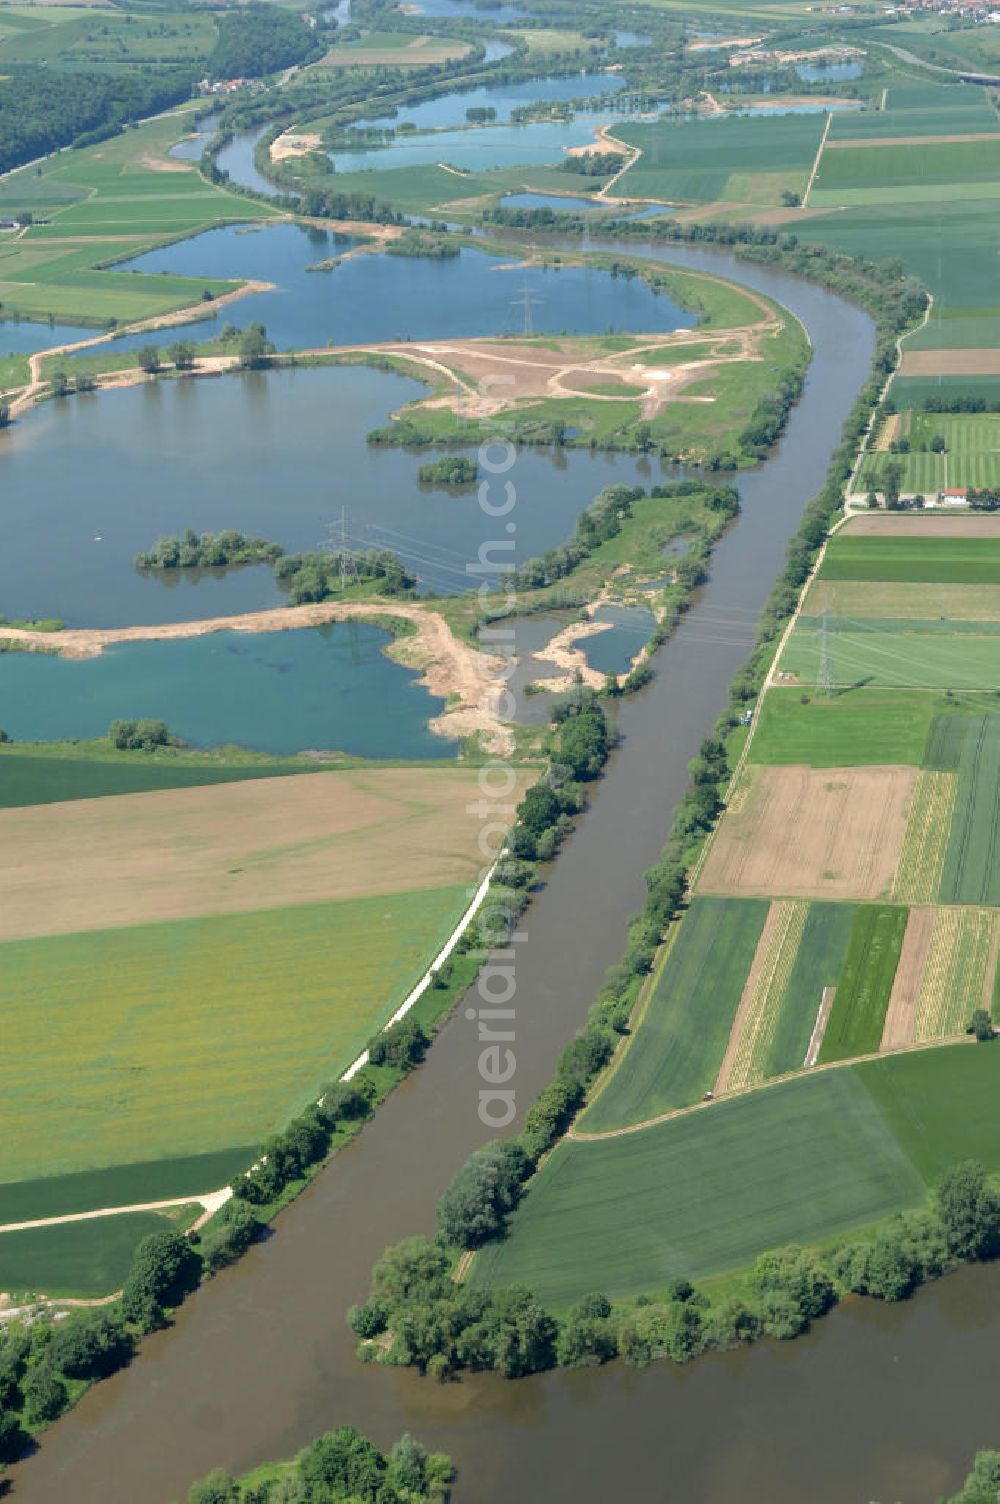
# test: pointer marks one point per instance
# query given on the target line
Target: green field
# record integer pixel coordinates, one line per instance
(873, 653)
(78, 1258)
(41, 774)
(703, 1194)
(858, 1014)
(818, 964)
(971, 457)
(971, 872)
(676, 1052)
(923, 473)
(122, 1185)
(700, 160)
(105, 203)
(854, 727)
(941, 1105)
(873, 174)
(929, 110)
(197, 1035)
(946, 561)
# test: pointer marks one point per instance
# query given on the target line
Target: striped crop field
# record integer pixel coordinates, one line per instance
(858, 1017)
(971, 872)
(818, 965)
(767, 985)
(677, 1049)
(920, 470)
(955, 974)
(944, 561)
(928, 827)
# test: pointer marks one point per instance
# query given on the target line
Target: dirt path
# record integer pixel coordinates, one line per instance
(449, 667)
(901, 1015)
(819, 1027)
(209, 1201)
(29, 395)
(816, 160)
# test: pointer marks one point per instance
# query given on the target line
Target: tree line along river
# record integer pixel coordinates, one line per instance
(877, 1402)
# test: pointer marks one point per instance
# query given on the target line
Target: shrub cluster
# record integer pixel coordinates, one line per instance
(208, 551)
(141, 736)
(317, 577)
(455, 470)
(342, 1465)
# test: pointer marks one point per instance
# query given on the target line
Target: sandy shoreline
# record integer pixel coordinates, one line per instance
(449, 668)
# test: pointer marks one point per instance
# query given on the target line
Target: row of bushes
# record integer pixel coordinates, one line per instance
(418, 1315)
(487, 1188)
(342, 1465)
(45, 1366)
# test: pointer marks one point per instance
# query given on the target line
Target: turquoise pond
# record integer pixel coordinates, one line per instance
(612, 652)
(327, 688)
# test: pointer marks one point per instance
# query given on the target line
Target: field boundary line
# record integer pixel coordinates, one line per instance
(816, 160)
(829, 1065)
(638, 1014)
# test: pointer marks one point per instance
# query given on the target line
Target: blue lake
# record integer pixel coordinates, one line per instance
(327, 688)
(562, 203)
(568, 205)
(449, 109)
(467, 8)
(370, 298)
(278, 454)
(632, 39)
(833, 73)
(479, 149)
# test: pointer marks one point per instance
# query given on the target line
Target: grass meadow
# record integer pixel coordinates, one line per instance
(103, 203)
(971, 872)
(51, 773)
(689, 1014)
(945, 561)
(77, 1258)
(121, 1185)
(695, 160)
(804, 1161)
(704, 1193)
(197, 1035)
(853, 727)
(915, 659)
(858, 1014)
